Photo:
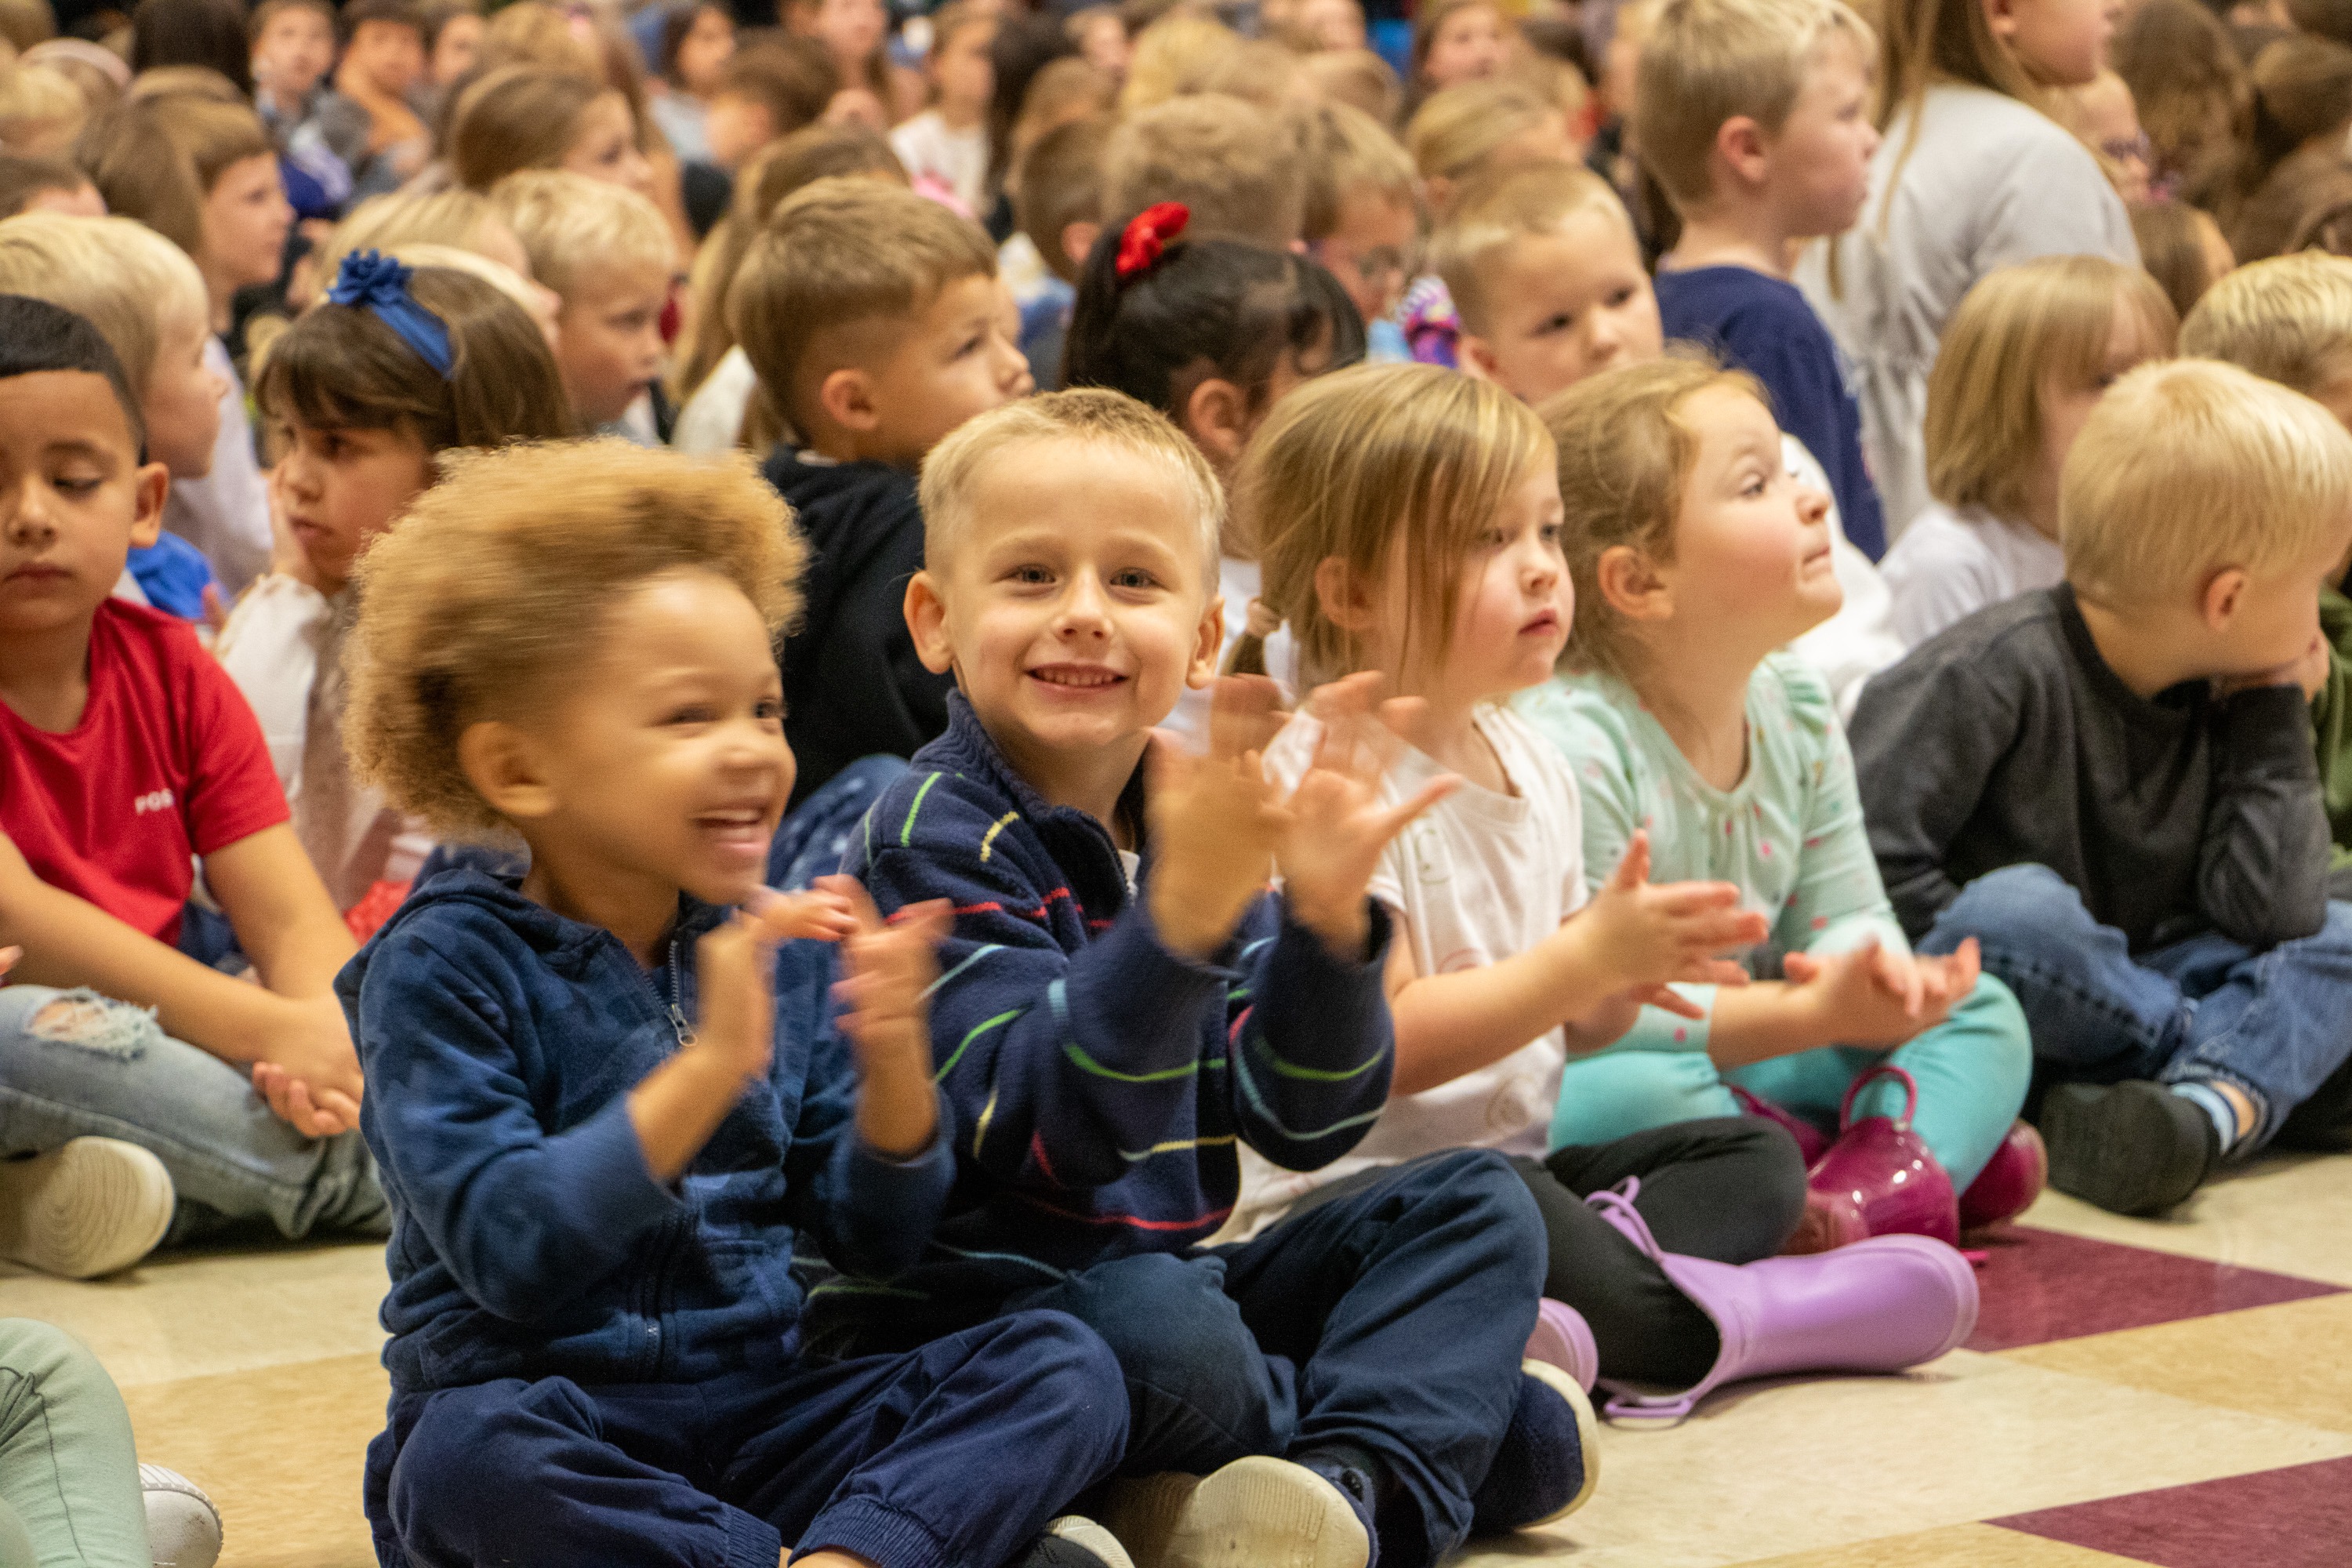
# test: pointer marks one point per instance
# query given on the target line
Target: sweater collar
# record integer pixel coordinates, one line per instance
(967, 748)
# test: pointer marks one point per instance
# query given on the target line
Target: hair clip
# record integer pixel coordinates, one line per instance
(1147, 235)
(374, 282)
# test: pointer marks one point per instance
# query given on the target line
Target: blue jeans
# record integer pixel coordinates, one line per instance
(74, 1064)
(1972, 1070)
(2273, 1023)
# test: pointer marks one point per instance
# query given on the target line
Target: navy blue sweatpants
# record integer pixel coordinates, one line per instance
(900, 1459)
(1392, 1319)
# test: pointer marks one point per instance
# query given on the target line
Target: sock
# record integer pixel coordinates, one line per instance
(1358, 1476)
(2217, 1108)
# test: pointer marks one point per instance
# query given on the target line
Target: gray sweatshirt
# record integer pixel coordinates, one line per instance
(1974, 181)
(2007, 740)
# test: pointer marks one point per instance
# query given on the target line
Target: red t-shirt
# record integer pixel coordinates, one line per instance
(167, 764)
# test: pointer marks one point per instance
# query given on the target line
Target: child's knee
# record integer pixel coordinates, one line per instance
(95, 1024)
(1159, 1317)
(2019, 907)
(470, 1445)
(1619, 1093)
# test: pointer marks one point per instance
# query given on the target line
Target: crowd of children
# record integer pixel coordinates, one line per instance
(1121, 732)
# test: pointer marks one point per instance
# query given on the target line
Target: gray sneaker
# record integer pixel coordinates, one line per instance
(184, 1528)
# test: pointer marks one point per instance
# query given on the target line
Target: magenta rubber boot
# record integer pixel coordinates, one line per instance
(1879, 1178)
(1882, 1304)
(2009, 1182)
(1564, 1339)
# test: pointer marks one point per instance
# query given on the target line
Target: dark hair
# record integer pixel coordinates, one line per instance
(1207, 307)
(208, 33)
(677, 23)
(1024, 46)
(791, 78)
(339, 367)
(22, 179)
(269, 11)
(398, 12)
(36, 336)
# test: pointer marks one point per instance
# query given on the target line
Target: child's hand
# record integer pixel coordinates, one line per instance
(1215, 820)
(1338, 825)
(1877, 995)
(8, 957)
(1642, 937)
(817, 916)
(735, 966)
(305, 1066)
(2308, 670)
(889, 970)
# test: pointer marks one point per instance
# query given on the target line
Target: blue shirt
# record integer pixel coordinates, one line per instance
(1763, 326)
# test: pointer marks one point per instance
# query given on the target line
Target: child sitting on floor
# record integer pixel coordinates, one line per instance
(367, 390)
(876, 323)
(1125, 1005)
(128, 757)
(609, 255)
(945, 148)
(2110, 784)
(2029, 354)
(601, 1121)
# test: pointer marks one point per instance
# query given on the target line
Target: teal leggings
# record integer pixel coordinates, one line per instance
(68, 1474)
(1971, 1070)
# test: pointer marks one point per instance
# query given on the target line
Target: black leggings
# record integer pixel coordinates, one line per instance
(1729, 1188)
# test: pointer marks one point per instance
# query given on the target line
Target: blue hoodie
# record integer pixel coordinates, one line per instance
(529, 1239)
(1101, 1082)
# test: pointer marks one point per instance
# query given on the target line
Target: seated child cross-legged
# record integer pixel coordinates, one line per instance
(1124, 1003)
(1696, 557)
(602, 1121)
(2110, 784)
(126, 756)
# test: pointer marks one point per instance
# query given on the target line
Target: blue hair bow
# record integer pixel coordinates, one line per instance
(375, 282)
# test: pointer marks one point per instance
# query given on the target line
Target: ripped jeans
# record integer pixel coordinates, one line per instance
(74, 1064)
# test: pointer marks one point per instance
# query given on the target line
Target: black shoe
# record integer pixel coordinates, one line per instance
(2130, 1148)
(1547, 1465)
(2323, 1123)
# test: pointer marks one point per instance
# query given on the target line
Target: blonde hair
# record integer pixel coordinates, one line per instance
(1235, 165)
(122, 275)
(1710, 62)
(952, 472)
(1625, 457)
(1171, 56)
(36, 96)
(1497, 213)
(1359, 78)
(2018, 329)
(2288, 320)
(572, 226)
(2191, 466)
(1378, 465)
(1459, 129)
(1347, 150)
(456, 217)
(840, 267)
(516, 117)
(155, 159)
(478, 600)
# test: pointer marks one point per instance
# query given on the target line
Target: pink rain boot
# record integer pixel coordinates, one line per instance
(2009, 1182)
(1879, 1178)
(1883, 1304)
(1564, 1339)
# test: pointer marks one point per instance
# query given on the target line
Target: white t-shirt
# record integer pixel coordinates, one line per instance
(1859, 640)
(1479, 877)
(956, 158)
(712, 419)
(1949, 564)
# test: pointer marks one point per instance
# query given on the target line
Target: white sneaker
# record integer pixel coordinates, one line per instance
(1256, 1513)
(1087, 1535)
(184, 1528)
(90, 1206)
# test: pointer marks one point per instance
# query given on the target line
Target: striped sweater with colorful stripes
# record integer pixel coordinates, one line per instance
(1100, 1083)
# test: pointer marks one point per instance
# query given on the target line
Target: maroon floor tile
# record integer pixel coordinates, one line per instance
(2041, 1285)
(2300, 1517)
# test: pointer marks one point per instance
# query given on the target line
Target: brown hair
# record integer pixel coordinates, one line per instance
(23, 179)
(1459, 129)
(339, 367)
(2018, 329)
(1427, 22)
(793, 78)
(1347, 149)
(1359, 78)
(514, 118)
(1709, 61)
(1235, 165)
(2172, 250)
(839, 259)
(1354, 462)
(2190, 87)
(1061, 184)
(1170, 58)
(1626, 457)
(877, 64)
(480, 596)
(155, 159)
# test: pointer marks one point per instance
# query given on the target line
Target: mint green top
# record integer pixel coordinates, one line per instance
(1789, 833)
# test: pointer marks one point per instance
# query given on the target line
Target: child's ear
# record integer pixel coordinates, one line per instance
(1207, 645)
(1739, 141)
(1216, 415)
(2225, 591)
(1437, 193)
(847, 398)
(1078, 241)
(2000, 15)
(502, 764)
(1630, 584)
(1341, 596)
(151, 486)
(927, 623)
(1474, 357)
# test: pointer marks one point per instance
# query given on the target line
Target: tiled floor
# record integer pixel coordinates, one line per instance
(2176, 1395)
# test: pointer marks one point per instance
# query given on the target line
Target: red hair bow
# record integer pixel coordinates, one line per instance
(1147, 236)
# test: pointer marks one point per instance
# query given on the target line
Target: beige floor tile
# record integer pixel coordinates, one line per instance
(1806, 1465)
(2286, 1362)
(194, 1314)
(2291, 1214)
(1961, 1546)
(280, 1449)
